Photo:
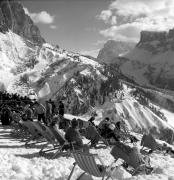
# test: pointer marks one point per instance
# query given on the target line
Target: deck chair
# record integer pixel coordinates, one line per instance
(87, 162)
(132, 158)
(18, 128)
(149, 142)
(83, 124)
(35, 135)
(52, 137)
(49, 137)
(92, 133)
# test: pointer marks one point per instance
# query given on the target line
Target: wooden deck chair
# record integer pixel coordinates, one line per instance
(83, 124)
(53, 137)
(34, 133)
(131, 157)
(49, 137)
(149, 142)
(92, 133)
(18, 129)
(87, 162)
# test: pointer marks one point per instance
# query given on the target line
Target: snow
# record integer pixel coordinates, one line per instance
(10, 46)
(89, 61)
(19, 163)
(169, 115)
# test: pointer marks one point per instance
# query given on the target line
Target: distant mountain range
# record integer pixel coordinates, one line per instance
(29, 64)
(150, 63)
(113, 49)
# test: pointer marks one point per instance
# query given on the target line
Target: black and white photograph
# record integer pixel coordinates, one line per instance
(86, 89)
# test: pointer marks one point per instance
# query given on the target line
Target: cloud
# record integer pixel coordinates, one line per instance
(107, 17)
(127, 18)
(42, 17)
(53, 26)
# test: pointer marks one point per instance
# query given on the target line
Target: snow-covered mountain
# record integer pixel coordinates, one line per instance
(83, 83)
(113, 49)
(151, 62)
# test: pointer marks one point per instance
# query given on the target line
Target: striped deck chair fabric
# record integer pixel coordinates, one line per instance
(53, 137)
(46, 133)
(33, 132)
(87, 163)
(49, 136)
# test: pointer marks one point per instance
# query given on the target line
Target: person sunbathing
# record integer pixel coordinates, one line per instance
(132, 157)
(106, 129)
(73, 136)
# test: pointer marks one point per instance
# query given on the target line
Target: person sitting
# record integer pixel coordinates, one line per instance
(5, 115)
(149, 142)
(28, 113)
(73, 136)
(132, 157)
(92, 134)
(106, 130)
(61, 108)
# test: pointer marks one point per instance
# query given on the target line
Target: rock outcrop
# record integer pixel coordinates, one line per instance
(112, 49)
(12, 16)
(157, 41)
(147, 36)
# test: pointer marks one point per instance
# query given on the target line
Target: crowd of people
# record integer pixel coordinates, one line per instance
(52, 115)
(28, 109)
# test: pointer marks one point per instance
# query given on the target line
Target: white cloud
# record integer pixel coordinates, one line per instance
(113, 20)
(105, 15)
(41, 17)
(53, 26)
(129, 17)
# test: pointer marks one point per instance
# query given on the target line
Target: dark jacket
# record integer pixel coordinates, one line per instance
(73, 135)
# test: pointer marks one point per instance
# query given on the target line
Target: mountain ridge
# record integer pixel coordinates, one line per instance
(12, 16)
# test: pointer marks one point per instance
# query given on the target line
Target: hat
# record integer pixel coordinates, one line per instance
(74, 123)
(107, 118)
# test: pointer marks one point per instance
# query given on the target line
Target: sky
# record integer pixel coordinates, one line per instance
(85, 25)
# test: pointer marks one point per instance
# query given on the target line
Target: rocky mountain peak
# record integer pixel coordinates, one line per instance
(113, 49)
(12, 16)
(162, 36)
(147, 36)
(157, 41)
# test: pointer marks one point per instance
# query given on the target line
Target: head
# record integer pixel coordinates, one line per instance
(107, 118)
(112, 126)
(92, 118)
(74, 123)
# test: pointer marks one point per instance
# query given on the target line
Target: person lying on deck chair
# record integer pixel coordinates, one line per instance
(73, 136)
(106, 129)
(149, 142)
(92, 134)
(132, 157)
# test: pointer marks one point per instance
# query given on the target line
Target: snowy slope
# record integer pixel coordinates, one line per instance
(14, 55)
(19, 163)
(138, 118)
